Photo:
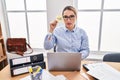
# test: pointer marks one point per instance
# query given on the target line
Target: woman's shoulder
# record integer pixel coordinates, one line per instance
(59, 27)
(80, 29)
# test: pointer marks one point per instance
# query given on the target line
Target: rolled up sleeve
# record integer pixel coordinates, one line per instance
(84, 46)
(49, 41)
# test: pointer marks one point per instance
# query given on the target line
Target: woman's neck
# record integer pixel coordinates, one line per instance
(70, 27)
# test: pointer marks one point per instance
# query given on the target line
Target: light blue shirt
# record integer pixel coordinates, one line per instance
(68, 41)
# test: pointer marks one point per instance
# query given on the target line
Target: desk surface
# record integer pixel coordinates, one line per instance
(71, 75)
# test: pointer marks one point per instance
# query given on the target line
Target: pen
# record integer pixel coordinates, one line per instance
(38, 75)
(39, 68)
(31, 73)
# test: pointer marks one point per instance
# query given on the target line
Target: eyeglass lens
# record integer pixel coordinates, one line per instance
(70, 17)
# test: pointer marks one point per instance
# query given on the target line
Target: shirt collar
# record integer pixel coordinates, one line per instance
(69, 30)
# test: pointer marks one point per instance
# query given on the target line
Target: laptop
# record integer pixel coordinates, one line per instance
(62, 61)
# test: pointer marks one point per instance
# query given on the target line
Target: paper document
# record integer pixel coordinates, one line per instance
(103, 71)
(47, 76)
(60, 77)
(26, 78)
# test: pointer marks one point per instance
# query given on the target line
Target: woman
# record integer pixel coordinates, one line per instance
(68, 37)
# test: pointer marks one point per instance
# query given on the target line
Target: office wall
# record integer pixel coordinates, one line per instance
(55, 7)
(0, 11)
(2, 21)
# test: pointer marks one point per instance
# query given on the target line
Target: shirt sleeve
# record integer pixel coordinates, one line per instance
(84, 46)
(49, 41)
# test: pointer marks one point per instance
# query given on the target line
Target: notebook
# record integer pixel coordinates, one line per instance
(63, 61)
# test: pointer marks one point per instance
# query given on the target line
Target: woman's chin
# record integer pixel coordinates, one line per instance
(69, 26)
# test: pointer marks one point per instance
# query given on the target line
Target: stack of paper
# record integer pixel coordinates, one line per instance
(102, 71)
(47, 76)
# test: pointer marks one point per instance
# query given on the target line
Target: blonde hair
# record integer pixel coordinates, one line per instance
(71, 8)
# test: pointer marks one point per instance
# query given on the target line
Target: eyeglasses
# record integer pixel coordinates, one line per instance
(71, 17)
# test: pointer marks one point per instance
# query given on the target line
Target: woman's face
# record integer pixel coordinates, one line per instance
(69, 19)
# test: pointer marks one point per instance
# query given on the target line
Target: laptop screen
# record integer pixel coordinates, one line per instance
(63, 61)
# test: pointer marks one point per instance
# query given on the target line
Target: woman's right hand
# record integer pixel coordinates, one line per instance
(53, 25)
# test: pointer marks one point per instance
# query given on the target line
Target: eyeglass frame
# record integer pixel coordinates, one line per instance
(71, 17)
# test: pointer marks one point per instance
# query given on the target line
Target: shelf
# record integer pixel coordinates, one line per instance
(1, 37)
(3, 58)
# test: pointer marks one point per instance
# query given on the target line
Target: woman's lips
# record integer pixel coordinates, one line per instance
(69, 23)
